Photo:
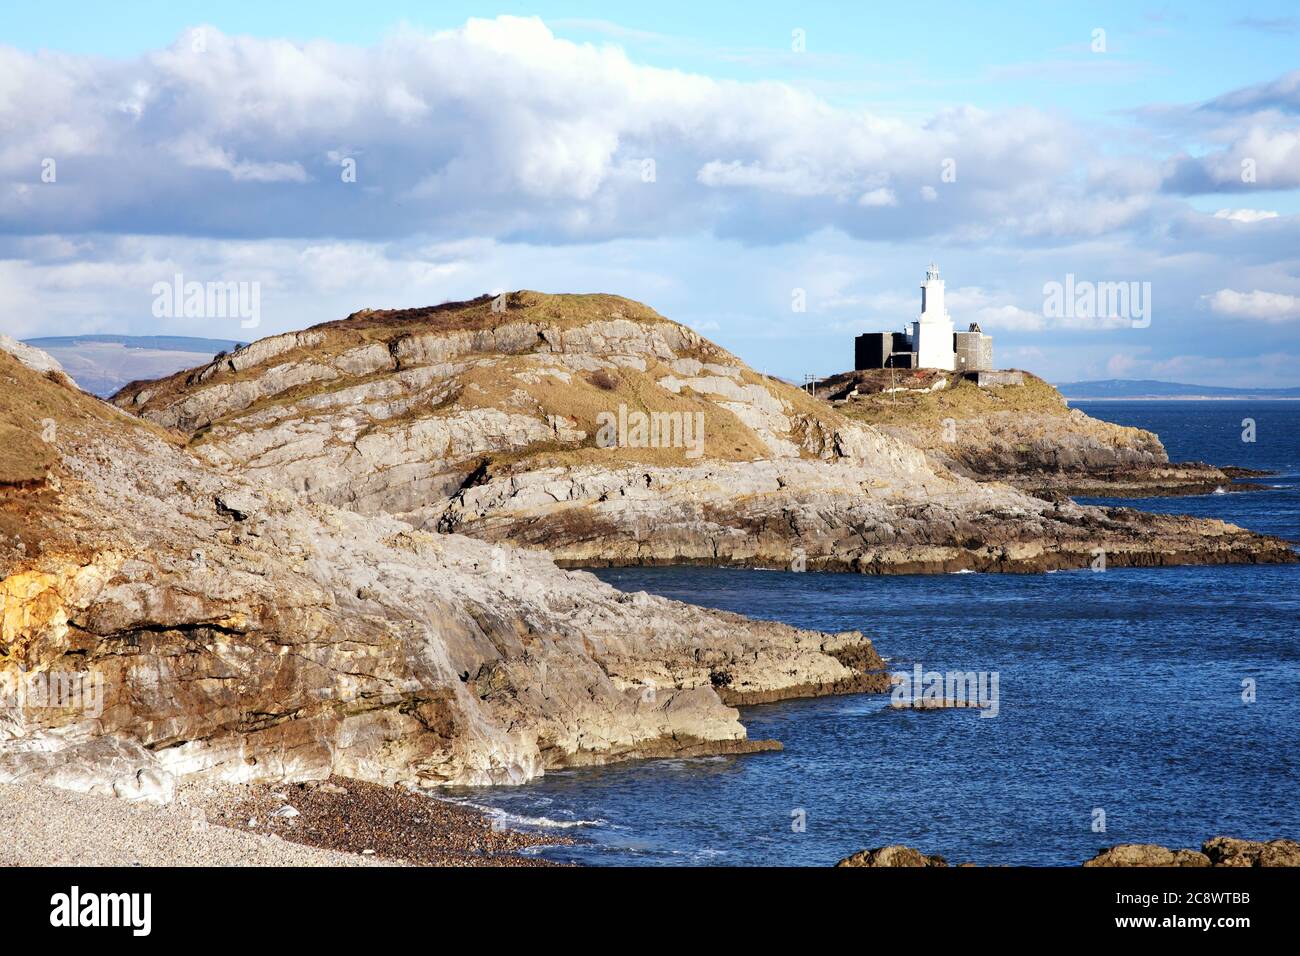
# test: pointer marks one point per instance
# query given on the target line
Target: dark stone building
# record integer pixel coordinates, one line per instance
(879, 350)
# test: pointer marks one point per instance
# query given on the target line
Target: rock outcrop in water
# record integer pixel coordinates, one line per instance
(1217, 851)
(894, 855)
(492, 418)
(163, 617)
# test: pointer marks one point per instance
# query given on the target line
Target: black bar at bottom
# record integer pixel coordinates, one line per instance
(302, 906)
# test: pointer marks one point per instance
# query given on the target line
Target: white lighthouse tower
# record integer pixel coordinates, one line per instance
(932, 339)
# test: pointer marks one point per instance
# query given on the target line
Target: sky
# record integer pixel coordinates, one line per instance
(777, 176)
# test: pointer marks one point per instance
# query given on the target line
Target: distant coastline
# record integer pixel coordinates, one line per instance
(1150, 390)
(1244, 397)
(170, 343)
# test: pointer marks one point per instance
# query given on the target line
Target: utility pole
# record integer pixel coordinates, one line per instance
(893, 377)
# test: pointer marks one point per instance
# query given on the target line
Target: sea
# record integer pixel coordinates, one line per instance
(1139, 705)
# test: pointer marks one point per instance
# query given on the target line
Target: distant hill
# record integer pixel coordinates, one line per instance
(101, 364)
(1148, 388)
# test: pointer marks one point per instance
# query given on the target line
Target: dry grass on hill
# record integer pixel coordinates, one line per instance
(564, 311)
(36, 406)
(961, 400)
(583, 398)
(28, 400)
(529, 383)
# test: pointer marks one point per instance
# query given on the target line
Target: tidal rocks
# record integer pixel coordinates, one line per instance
(1228, 851)
(1217, 851)
(804, 515)
(1147, 854)
(894, 855)
(936, 704)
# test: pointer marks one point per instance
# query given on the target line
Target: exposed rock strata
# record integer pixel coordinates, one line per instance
(826, 518)
(486, 423)
(243, 634)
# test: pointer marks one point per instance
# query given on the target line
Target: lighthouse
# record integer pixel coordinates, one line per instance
(932, 339)
(929, 341)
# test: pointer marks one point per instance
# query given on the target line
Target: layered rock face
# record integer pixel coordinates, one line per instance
(595, 428)
(162, 617)
(827, 518)
(1026, 435)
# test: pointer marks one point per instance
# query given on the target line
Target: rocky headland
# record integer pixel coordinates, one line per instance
(1025, 435)
(517, 421)
(339, 551)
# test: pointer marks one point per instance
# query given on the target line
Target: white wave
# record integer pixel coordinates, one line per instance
(518, 820)
(507, 819)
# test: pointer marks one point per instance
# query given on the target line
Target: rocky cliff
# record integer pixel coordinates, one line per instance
(1024, 434)
(597, 429)
(163, 617)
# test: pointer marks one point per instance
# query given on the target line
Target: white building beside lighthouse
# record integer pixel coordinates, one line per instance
(932, 339)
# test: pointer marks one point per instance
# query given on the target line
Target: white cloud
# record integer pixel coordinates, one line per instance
(794, 181)
(197, 154)
(501, 128)
(1245, 215)
(1253, 135)
(1122, 365)
(497, 155)
(1256, 306)
(1010, 318)
(1272, 157)
(878, 197)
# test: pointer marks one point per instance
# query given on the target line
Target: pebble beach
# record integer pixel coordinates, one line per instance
(339, 822)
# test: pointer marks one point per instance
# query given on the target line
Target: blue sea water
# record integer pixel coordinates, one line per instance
(1212, 431)
(1119, 693)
